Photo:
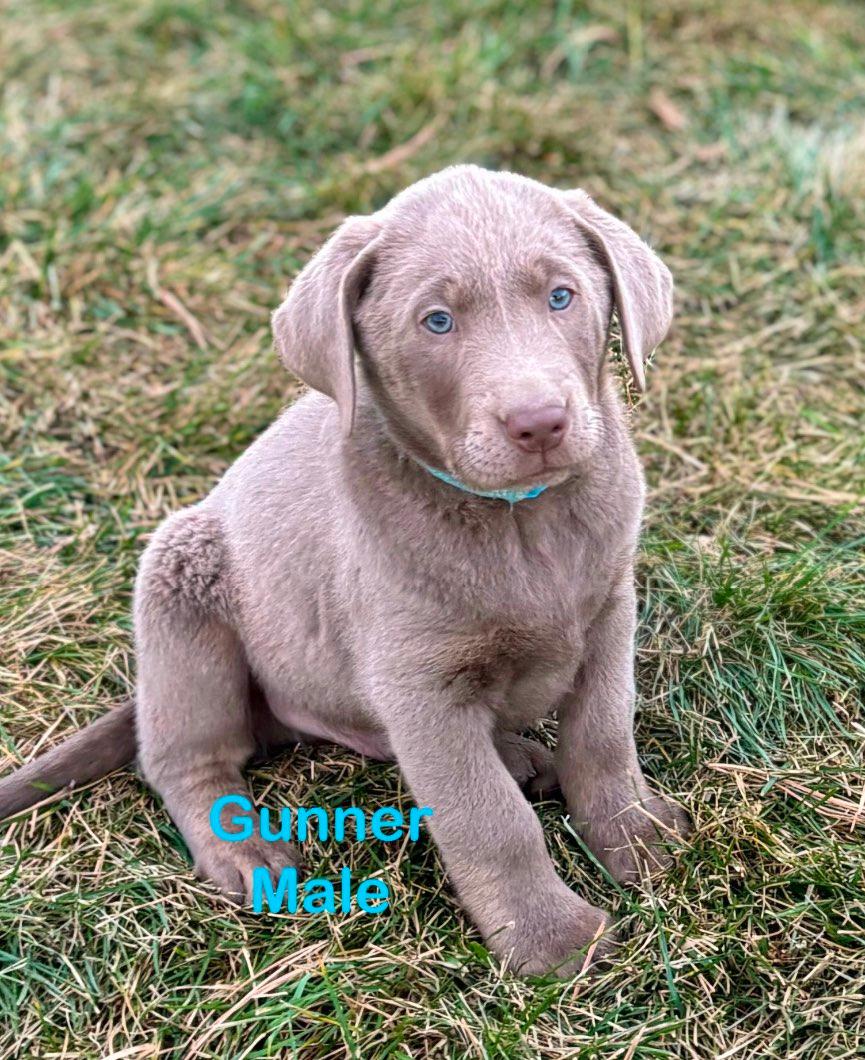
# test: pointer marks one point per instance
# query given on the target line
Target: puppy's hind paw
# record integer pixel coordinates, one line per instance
(530, 763)
(229, 866)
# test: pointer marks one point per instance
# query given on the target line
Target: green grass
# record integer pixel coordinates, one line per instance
(165, 168)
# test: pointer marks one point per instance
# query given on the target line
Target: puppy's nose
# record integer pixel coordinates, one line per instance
(537, 430)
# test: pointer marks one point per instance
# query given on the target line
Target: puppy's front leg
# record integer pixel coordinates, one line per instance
(489, 836)
(622, 820)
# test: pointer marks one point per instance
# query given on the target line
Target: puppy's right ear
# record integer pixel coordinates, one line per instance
(313, 328)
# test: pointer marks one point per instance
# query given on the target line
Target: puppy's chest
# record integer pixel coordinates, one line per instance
(524, 642)
(520, 670)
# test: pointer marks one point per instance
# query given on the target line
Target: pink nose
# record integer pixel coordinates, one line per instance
(537, 430)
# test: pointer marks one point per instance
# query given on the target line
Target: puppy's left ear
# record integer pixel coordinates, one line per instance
(642, 283)
(313, 328)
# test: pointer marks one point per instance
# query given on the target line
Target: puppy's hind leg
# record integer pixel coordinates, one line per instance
(193, 715)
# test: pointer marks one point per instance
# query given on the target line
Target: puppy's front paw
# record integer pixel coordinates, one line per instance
(229, 866)
(560, 935)
(636, 841)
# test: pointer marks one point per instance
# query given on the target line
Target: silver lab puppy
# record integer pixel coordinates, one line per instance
(426, 554)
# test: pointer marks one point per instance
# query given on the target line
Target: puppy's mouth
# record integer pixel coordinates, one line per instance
(483, 464)
(549, 475)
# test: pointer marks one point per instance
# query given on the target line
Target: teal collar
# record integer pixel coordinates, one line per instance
(511, 496)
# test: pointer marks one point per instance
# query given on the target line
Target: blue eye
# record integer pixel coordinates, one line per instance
(560, 298)
(439, 323)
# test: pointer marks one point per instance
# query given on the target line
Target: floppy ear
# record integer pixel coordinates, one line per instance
(313, 328)
(642, 284)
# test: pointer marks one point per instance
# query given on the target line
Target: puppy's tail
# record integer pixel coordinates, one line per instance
(105, 745)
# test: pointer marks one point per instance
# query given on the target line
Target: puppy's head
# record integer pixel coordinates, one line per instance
(478, 305)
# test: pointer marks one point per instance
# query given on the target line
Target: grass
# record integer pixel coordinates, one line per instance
(165, 168)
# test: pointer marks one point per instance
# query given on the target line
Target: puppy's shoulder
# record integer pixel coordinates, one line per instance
(288, 468)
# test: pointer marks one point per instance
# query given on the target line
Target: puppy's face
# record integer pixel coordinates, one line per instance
(478, 304)
(482, 330)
